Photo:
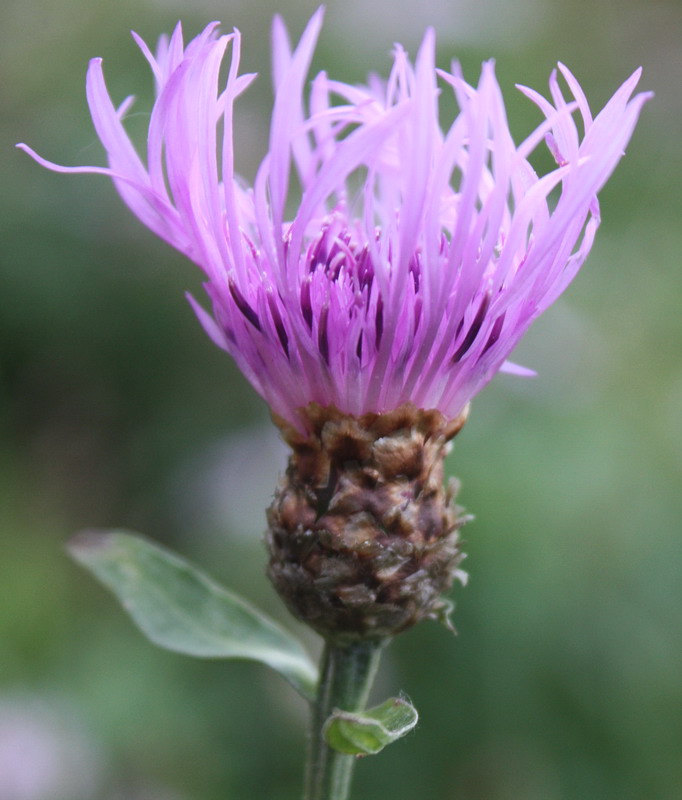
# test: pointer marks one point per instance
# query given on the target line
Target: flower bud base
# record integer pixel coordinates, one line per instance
(363, 536)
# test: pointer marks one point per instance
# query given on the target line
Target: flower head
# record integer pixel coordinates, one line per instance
(417, 257)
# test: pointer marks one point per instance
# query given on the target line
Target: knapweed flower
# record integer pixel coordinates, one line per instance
(415, 258)
(370, 283)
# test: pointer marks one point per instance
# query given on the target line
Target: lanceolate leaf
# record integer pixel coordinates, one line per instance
(368, 732)
(178, 607)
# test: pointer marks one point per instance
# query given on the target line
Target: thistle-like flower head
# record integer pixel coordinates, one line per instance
(416, 257)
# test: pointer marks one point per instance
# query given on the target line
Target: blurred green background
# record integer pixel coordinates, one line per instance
(566, 678)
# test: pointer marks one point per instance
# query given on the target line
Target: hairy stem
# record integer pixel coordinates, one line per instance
(346, 676)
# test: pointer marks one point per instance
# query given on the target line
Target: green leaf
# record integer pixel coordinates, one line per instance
(367, 733)
(179, 608)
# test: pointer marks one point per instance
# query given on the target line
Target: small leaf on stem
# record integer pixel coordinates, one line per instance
(367, 733)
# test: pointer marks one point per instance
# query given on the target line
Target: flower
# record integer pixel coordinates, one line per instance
(417, 257)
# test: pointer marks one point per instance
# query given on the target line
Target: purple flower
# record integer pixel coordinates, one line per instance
(417, 257)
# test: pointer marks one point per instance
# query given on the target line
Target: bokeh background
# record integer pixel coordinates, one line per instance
(566, 678)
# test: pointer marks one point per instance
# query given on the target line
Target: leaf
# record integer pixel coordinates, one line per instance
(178, 607)
(368, 732)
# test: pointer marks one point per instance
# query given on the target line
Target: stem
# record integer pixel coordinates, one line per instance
(346, 676)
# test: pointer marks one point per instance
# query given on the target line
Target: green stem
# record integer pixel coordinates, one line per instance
(346, 676)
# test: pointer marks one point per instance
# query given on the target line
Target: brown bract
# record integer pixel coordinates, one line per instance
(363, 535)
